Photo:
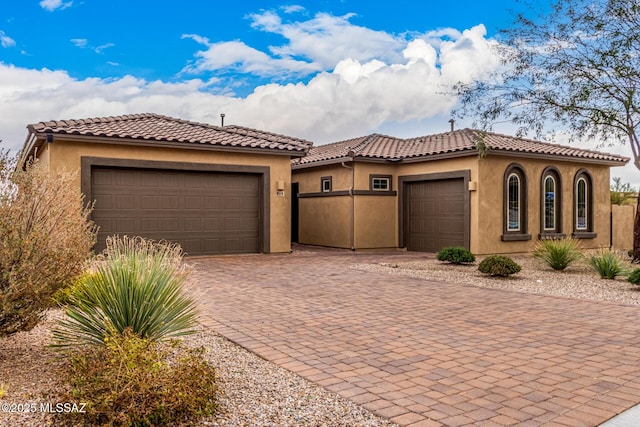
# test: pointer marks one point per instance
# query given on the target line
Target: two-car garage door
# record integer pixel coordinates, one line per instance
(436, 214)
(205, 212)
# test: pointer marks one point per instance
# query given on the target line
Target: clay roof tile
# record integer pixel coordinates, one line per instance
(155, 127)
(385, 147)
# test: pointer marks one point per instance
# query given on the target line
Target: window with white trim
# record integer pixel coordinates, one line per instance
(514, 205)
(582, 203)
(325, 184)
(583, 218)
(549, 204)
(380, 183)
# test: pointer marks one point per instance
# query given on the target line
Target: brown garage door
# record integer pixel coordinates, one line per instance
(206, 212)
(435, 214)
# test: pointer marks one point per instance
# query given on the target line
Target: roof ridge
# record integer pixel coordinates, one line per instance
(370, 139)
(233, 128)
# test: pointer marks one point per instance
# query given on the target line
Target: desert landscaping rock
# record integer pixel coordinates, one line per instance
(577, 281)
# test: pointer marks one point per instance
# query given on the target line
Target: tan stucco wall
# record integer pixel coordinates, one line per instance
(623, 218)
(325, 221)
(490, 192)
(43, 156)
(376, 222)
(309, 179)
(67, 155)
(376, 217)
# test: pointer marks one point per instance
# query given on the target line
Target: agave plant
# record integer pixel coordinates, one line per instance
(135, 284)
(558, 253)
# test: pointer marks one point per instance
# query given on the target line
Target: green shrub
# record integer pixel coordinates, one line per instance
(630, 253)
(608, 264)
(136, 284)
(135, 381)
(498, 265)
(558, 254)
(455, 255)
(46, 236)
(63, 295)
(634, 277)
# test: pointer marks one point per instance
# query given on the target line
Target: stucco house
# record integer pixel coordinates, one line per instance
(434, 191)
(215, 190)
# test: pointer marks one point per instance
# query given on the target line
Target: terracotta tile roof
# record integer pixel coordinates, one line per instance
(154, 127)
(458, 142)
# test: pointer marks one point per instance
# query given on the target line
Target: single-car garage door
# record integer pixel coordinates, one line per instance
(435, 214)
(205, 212)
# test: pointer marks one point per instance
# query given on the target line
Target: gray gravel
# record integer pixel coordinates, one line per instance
(579, 280)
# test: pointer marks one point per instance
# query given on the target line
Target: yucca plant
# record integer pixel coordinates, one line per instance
(608, 264)
(135, 284)
(558, 253)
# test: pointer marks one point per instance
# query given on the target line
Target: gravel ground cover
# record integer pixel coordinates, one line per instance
(254, 392)
(578, 281)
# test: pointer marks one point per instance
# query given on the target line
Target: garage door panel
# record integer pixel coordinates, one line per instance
(436, 215)
(178, 206)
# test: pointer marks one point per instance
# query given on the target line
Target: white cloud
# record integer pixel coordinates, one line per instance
(294, 8)
(317, 44)
(238, 56)
(80, 42)
(5, 40)
(52, 5)
(355, 97)
(102, 47)
(326, 39)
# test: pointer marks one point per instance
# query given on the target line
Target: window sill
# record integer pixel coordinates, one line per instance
(515, 237)
(584, 235)
(551, 236)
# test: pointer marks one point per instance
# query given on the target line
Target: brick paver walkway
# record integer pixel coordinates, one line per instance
(427, 353)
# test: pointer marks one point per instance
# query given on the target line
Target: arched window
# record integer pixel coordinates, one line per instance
(551, 203)
(582, 198)
(515, 204)
(583, 205)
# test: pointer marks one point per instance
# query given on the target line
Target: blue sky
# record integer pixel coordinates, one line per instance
(321, 70)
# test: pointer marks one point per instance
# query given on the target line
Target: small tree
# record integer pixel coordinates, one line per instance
(622, 194)
(46, 236)
(578, 66)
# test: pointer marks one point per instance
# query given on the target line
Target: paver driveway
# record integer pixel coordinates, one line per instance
(423, 352)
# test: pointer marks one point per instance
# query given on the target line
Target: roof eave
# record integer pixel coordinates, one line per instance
(545, 156)
(171, 144)
(322, 163)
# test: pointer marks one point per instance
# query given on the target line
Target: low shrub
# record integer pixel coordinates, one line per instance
(630, 253)
(498, 265)
(608, 264)
(134, 381)
(63, 295)
(135, 284)
(455, 255)
(46, 238)
(558, 253)
(634, 277)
